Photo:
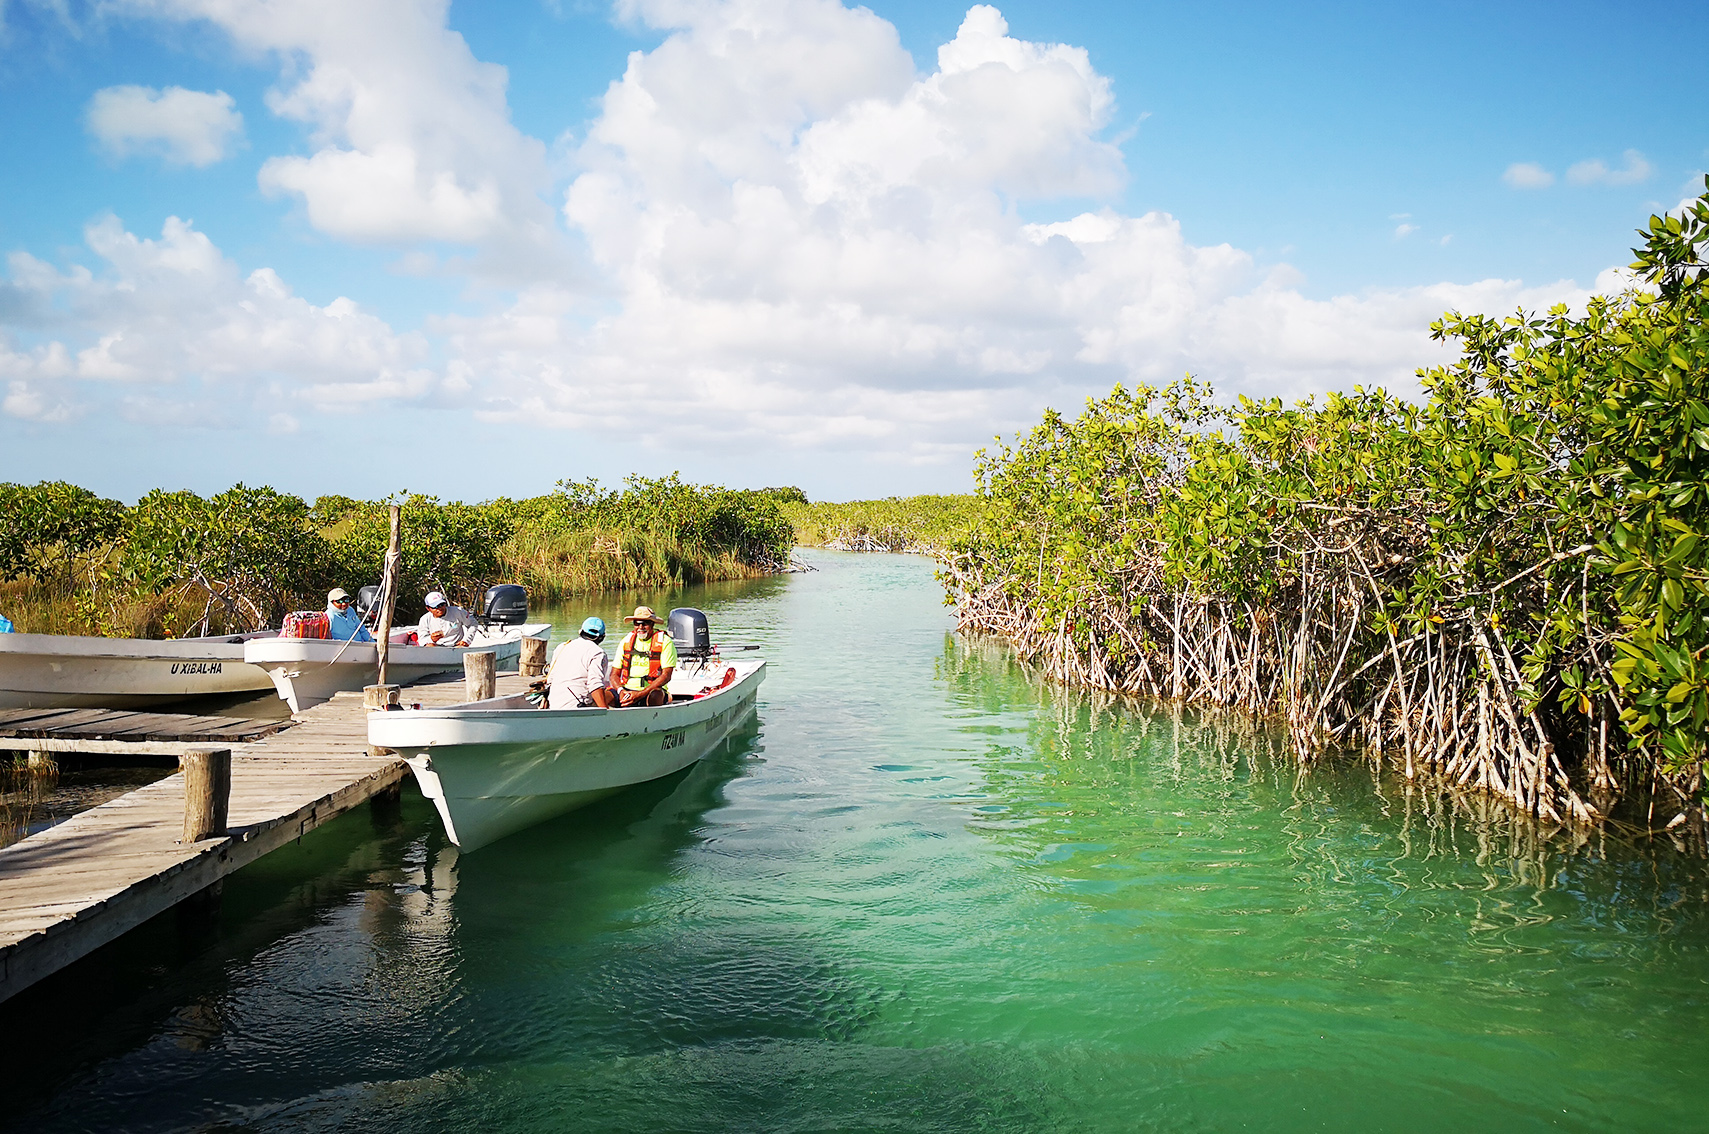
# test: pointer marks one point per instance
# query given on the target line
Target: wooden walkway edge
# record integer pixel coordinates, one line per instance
(76, 886)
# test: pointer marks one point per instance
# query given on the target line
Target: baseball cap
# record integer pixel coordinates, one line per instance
(435, 598)
(593, 626)
(337, 593)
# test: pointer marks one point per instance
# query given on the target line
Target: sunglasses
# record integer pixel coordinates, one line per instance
(340, 602)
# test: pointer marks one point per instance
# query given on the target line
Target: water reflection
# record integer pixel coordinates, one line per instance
(925, 892)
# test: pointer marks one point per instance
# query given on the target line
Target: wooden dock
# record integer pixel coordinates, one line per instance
(72, 888)
(111, 730)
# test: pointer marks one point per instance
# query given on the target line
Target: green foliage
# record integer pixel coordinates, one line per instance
(244, 557)
(253, 552)
(746, 524)
(450, 547)
(52, 530)
(897, 523)
(1543, 514)
(329, 510)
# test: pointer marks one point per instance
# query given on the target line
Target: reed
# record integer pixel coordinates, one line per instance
(177, 564)
(25, 784)
(556, 565)
(924, 525)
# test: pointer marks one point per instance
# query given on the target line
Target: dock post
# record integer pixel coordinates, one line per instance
(379, 699)
(389, 592)
(532, 661)
(480, 675)
(207, 792)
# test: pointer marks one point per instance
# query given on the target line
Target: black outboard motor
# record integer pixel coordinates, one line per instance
(506, 605)
(690, 633)
(366, 598)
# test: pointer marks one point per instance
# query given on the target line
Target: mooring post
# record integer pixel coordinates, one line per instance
(532, 661)
(379, 699)
(207, 792)
(389, 592)
(480, 675)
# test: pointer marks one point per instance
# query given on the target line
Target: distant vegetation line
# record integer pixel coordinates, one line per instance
(178, 564)
(922, 524)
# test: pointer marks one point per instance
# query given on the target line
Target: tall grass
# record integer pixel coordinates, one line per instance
(558, 565)
(177, 564)
(24, 788)
(921, 524)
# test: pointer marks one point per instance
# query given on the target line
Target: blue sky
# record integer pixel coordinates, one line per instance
(780, 250)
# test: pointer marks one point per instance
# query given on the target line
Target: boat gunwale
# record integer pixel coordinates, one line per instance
(213, 648)
(503, 718)
(346, 652)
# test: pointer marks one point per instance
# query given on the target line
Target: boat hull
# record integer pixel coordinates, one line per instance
(60, 671)
(497, 767)
(308, 671)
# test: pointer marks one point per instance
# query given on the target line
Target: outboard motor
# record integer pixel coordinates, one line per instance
(690, 632)
(366, 598)
(506, 605)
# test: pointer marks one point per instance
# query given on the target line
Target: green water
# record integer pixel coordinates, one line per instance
(921, 892)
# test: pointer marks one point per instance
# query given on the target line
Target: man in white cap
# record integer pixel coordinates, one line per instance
(444, 624)
(342, 620)
(645, 662)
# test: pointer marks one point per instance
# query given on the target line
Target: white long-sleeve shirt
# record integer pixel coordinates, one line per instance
(456, 627)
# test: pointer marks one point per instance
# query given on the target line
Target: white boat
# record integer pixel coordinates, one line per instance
(308, 671)
(61, 671)
(494, 767)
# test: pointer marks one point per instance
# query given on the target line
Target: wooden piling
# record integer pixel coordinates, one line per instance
(389, 592)
(532, 661)
(207, 792)
(379, 698)
(480, 675)
(72, 888)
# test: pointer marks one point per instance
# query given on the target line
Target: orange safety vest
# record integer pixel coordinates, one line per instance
(655, 651)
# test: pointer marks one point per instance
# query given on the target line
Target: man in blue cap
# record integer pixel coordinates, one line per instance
(580, 677)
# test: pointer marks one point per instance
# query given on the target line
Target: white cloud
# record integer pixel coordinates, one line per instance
(32, 403)
(812, 246)
(1527, 175)
(412, 134)
(181, 126)
(1402, 231)
(1594, 172)
(176, 324)
(804, 244)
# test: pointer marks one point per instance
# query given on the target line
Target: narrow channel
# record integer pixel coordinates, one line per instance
(923, 891)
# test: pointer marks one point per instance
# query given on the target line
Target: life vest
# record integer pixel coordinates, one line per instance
(654, 650)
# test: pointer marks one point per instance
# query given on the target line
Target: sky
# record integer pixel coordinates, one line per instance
(474, 249)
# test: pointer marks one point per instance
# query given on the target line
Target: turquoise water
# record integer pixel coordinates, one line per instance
(921, 892)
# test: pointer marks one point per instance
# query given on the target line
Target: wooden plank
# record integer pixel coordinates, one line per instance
(141, 723)
(76, 886)
(99, 725)
(98, 747)
(11, 718)
(73, 717)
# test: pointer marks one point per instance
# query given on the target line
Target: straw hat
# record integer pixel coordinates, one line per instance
(644, 614)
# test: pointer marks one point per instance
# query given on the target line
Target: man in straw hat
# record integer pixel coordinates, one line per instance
(645, 662)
